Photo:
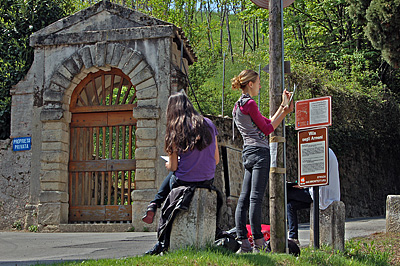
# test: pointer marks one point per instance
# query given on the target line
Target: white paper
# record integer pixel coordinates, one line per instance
(166, 158)
(273, 150)
(319, 112)
(313, 158)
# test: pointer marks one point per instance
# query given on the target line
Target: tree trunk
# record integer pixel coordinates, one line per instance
(254, 34)
(229, 36)
(209, 33)
(221, 27)
(244, 37)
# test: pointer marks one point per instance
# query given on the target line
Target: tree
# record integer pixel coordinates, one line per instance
(18, 20)
(383, 29)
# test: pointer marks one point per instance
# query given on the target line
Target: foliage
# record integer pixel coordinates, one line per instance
(367, 252)
(18, 20)
(328, 34)
(33, 228)
(383, 21)
(353, 108)
(17, 225)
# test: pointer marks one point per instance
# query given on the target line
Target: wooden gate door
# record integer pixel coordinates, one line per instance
(102, 148)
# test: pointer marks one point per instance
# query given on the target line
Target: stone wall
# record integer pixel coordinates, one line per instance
(368, 172)
(14, 186)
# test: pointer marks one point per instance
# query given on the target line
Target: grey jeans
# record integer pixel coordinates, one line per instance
(256, 162)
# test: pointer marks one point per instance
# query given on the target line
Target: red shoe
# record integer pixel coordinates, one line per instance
(150, 212)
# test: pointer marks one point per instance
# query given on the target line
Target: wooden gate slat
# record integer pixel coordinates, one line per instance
(89, 120)
(96, 187)
(103, 180)
(119, 213)
(121, 165)
(88, 98)
(102, 108)
(115, 187)
(111, 89)
(103, 89)
(126, 94)
(117, 142)
(100, 213)
(121, 119)
(109, 188)
(110, 138)
(95, 91)
(79, 166)
(102, 165)
(76, 188)
(83, 186)
(121, 83)
(87, 213)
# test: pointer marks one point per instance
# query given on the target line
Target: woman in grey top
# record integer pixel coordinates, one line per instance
(254, 128)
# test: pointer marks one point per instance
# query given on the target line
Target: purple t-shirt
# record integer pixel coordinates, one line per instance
(195, 165)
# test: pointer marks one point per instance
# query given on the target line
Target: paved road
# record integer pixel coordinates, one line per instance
(353, 228)
(19, 248)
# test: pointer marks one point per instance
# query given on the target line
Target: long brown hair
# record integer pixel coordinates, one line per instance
(186, 128)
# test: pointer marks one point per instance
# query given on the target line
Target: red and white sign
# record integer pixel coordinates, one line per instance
(313, 157)
(316, 112)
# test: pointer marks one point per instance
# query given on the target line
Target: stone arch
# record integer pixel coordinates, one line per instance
(88, 59)
(55, 116)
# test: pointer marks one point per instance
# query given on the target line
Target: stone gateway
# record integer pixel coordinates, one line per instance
(93, 105)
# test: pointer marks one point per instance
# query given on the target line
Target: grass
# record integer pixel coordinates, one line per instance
(378, 249)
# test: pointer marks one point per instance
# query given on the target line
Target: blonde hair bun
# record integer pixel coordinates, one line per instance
(236, 83)
(241, 81)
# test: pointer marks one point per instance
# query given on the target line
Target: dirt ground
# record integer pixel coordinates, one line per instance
(385, 242)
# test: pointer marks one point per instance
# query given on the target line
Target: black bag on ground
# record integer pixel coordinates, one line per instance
(227, 239)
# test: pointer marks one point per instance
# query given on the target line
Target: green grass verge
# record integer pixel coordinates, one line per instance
(356, 254)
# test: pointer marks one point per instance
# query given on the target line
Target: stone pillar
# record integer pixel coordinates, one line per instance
(53, 198)
(331, 226)
(141, 198)
(393, 213)
(196, 226)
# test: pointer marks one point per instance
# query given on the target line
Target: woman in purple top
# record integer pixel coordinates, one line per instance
(191, 145)
(254, 128)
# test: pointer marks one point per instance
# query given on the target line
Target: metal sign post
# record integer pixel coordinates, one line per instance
(313, 167)
(313, 148)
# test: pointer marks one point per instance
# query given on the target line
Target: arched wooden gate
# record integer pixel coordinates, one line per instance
(102, 148)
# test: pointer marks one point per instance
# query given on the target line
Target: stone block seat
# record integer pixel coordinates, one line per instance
(196, 226)
(331, 225)
(393, 213)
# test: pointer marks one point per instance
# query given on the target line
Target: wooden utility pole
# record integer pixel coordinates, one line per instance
(276, 85)
(277, 182)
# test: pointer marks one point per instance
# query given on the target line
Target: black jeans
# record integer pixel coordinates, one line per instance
(171, 182)
(297, 199)
(256, 162)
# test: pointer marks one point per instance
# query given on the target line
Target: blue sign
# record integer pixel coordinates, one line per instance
(22, 144)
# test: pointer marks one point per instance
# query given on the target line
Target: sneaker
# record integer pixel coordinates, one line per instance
(245, 247)
(156, 250)
(150, 212)
(295, 240)
(260, 244)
